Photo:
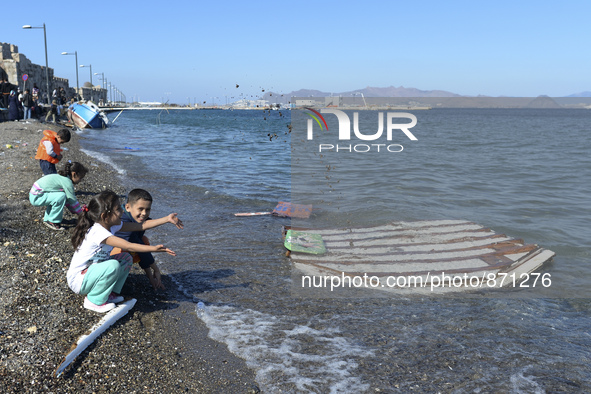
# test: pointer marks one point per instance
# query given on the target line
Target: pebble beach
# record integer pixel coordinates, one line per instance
(41, 317)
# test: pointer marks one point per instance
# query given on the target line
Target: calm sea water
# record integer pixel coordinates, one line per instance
(524, 173)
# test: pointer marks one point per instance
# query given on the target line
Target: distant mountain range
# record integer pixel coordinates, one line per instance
(375, 92)
(367, 92)
(582, 94)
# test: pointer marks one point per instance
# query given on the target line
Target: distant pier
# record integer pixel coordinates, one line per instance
(171, 108)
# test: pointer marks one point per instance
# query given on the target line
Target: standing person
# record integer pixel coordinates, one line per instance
(6, 88)
(27, 104)
(137, 210)
(2, 82)
(49, 152)
(35, 94)
(13, 105)
(52, 112)
(56, 191)
(19, 93)
(63, 98)
(69, 111)
(93, 271)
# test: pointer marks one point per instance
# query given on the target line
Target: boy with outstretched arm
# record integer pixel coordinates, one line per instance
(137, 210)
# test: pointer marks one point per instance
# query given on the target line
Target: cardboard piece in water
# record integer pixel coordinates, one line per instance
(287, 209)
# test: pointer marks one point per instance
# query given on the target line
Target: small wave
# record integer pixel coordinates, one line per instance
(288, 356)
(105, 159)
(525, 384)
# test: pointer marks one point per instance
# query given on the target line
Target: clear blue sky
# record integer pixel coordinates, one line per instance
(174, 50)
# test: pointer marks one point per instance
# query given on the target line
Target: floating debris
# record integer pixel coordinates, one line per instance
(284, 209)
(438, 255)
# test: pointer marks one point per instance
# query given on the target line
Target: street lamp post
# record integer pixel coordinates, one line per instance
(102, 79)
(107, 90)
(90, 65)
(46, 62)
(77, 84)
(91, 85)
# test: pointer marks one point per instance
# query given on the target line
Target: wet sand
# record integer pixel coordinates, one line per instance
(41, 317)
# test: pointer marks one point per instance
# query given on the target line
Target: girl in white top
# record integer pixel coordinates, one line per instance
(93, 272)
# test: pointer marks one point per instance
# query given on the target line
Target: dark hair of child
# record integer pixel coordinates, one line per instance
(138, 194)
(64, 134)
(103, 203)
(76, 167)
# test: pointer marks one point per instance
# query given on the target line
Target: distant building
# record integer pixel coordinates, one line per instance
(305, 103)
(333, 101)
(94, 93)
(250, 104)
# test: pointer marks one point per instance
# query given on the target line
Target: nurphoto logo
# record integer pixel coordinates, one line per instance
(345, 130)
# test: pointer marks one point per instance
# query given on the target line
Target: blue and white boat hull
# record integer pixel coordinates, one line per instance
(88, 115)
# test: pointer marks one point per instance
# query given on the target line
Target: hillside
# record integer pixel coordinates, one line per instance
(367, 92)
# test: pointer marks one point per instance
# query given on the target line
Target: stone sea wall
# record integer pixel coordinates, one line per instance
(13, 65)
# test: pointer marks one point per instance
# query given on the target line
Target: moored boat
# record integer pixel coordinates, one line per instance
(87, 115)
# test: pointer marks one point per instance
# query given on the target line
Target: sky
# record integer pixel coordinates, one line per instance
(187, 51)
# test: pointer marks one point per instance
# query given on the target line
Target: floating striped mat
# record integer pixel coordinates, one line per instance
(464, 254)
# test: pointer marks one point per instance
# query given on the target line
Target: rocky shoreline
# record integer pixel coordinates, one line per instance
(144, 352)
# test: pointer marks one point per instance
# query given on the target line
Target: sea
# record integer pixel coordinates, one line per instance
(522, 172)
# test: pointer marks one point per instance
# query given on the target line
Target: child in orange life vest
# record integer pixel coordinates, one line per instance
(137, 210)
(49, 152)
